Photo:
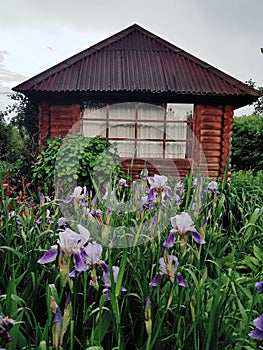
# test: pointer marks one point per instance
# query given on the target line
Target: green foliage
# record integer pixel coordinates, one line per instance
(25, 118)
(76, 160)
(215, 312)
(258, 105)
(14, 155)
(247, 144)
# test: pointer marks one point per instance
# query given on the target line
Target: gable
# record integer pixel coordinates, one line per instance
(137, 61)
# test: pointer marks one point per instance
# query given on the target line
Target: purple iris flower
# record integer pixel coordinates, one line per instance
(212, 187)
(92, 253)
(123, 182)
(39, 220)
(78, 194)
(163, 265)
(157, 181)
(257, 332)
(61, 222)
(48, 217)
(106, 278)
(164, 270)
(183, 223)
(70, 243)
(259, 286)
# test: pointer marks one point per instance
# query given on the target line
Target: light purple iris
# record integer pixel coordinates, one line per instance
(78, 194)
(157, 181)
(123, 182)
(48, 217)
(92, 253)
(259, 286)
(70, 243)
(183, 223)
(61, 222)
(39, 220)
(212, 187)
(106, 278)
(173, 261)
(257, 333)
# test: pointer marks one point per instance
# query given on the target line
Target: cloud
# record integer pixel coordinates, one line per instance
(7, 77)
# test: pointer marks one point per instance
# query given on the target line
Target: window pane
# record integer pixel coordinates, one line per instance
(93, 128)
(125, 148)
(121, 129)
(149, 111)
(94, 110)
(150, 130)
(178, 111)
(149, 149)
(176, 131)
(122, 111)
(175, 150)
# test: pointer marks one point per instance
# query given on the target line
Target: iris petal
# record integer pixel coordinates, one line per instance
(49, 256)
(259, 286)
(256, 334)
(197, 237)
(258, 322)
(169, 242)
(79, 262)
(154, 281)
(181, 281)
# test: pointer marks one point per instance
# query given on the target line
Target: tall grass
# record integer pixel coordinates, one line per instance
(215, 311)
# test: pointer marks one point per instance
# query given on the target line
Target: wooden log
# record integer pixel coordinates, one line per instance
(208, 139)
(211, 132)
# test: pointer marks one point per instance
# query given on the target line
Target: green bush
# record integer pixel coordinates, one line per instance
(15, 154)
(75, 160)
(247, 143)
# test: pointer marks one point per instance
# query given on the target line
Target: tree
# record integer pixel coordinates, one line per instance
(247, 144)
(258, 105)
(25, 118)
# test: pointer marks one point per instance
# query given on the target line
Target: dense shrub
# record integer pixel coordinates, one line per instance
(247, 143)
(75, 160)
(15, 153)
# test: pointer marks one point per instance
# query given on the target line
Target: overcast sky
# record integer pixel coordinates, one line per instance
(35, 35)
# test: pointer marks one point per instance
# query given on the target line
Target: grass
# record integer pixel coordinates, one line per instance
(216, 310)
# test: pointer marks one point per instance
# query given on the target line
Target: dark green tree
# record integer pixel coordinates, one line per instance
(247, 144)
(258, 105)
(24, 118)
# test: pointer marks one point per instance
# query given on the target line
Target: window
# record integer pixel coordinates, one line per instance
(141, 130)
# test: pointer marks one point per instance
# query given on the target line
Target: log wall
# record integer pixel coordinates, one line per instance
(213, 131)
(57, 121)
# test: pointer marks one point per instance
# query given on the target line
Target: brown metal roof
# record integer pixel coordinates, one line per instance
(135, 60)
